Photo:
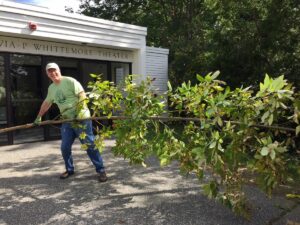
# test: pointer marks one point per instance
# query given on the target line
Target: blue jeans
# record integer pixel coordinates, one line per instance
(68, 135)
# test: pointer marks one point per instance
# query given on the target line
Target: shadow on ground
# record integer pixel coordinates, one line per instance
(31, 193)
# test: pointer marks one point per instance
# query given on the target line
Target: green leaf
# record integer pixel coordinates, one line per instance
(257, 156)
(215, 75)
(84, 146)
(220, 148)
(93, 75)
(261, 87)
(218, 88)
(266, 115)
(270, 120)
(297, 130)
(213, 144)
(200, 78)
(281, 149)
(283, 105)
(210, 189)
(264, 151)
(267, 80)
(270, 180)
(198, 152)
(207, 190)
(164, 161)
(273, 154)
(208, 77)
(228, 125)
(278, 83)
(220, 121)
(293, 196)
(82, 135)
(169, 86)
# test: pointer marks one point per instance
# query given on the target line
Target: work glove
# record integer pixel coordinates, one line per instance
(37, 121)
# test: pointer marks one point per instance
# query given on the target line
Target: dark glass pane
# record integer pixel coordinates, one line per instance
(3, 116)
(89, 68)
(119, 72)
(98, 68)
(68, 67)
(25, 78)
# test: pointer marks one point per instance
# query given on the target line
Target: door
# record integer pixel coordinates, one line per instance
(26, 95)
(92, 67)
(3, 105)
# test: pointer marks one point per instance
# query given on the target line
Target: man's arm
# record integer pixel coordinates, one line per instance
(81, 96)
(44, 108)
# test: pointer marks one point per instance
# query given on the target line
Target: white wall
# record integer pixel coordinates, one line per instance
(95, 38)
(68, 27)
(157, 67)
(73, 29)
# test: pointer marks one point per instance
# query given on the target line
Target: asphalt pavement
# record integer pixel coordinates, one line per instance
(31, 193)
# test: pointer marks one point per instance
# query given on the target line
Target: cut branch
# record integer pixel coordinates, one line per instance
(162, 118)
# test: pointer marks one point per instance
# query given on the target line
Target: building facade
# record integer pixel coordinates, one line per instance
(31, 36)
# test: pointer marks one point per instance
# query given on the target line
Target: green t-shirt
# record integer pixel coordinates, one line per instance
(66, 96)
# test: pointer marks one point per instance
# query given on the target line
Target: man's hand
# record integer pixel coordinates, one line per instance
(37, 121)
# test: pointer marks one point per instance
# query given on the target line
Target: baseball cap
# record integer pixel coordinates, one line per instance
(52, 65)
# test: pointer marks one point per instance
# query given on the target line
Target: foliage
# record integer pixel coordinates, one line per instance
(104, 99)
(238, 133)
(242, 40)
(133, 139)
(228, 147)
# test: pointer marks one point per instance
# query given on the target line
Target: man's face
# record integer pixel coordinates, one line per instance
(54, 75)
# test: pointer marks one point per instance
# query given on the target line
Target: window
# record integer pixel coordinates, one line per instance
(28, 83)
(26, 94)
(3, 109)
(119, 72)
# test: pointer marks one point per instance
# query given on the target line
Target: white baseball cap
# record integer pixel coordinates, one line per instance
(52, 66)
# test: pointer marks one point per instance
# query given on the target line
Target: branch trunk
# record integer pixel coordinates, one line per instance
(162, 118)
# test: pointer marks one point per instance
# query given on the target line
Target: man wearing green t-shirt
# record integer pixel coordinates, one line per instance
(68, 94)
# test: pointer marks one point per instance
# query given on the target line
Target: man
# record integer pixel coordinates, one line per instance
(69, 96)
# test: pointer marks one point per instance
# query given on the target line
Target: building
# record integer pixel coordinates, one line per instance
(31, 36)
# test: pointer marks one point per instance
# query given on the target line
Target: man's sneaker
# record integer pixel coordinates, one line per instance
(102, 177)
(66, 174)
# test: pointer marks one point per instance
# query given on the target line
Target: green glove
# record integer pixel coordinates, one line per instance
(37, 121)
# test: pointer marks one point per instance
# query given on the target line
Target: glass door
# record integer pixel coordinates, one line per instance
(26, 95)
(119, 71)
(92, 67)
(97, 68)
(3, 107)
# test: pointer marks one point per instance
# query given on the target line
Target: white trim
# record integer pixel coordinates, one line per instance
(43, 12)
(157, 50)
(68, 28)
(105, 31)
(72, 31)
(157, 67)
(39, 47)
